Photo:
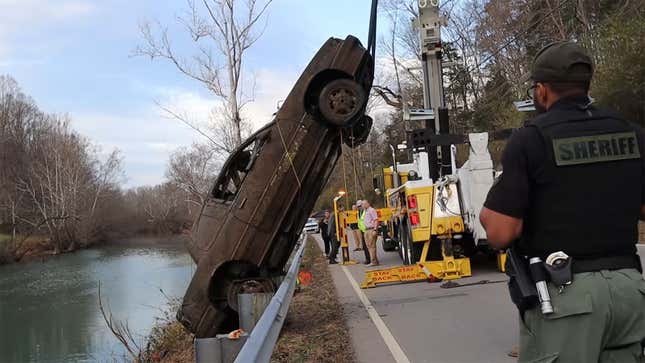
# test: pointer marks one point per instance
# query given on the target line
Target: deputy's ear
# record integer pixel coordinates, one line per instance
(540, 90)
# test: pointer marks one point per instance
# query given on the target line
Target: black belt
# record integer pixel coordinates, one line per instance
(607, 263)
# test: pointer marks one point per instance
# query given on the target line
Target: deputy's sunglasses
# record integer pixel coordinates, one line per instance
(530, 92)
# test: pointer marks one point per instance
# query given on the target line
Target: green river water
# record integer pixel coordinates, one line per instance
(49, 310)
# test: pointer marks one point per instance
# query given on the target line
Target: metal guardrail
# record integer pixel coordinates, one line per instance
(259, 345)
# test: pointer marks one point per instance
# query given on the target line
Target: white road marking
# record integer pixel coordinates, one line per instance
(387, 336)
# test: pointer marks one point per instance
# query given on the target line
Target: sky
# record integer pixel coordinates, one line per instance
(75, 57)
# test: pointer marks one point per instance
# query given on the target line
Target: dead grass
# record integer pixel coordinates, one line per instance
(169, 341)
(31, 248)
(315, 329)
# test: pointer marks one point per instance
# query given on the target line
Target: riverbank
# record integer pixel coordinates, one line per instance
(40, 248)
(32, 248)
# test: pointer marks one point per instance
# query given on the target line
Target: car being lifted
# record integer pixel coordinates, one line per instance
(265, 191)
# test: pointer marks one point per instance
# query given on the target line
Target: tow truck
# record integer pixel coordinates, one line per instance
(435, 205)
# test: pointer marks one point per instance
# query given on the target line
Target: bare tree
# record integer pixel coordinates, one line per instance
(51, 180)
(222, 31)
(193, 170)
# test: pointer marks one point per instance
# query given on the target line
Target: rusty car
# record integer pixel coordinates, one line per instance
(247, 228)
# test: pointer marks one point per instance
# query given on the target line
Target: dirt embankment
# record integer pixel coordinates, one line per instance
(315, 329)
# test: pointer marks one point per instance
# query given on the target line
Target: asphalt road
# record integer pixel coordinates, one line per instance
(466, 324)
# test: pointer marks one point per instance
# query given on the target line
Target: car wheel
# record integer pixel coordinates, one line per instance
(340, 101)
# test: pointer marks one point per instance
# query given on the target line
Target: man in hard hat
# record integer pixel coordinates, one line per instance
(572, 192)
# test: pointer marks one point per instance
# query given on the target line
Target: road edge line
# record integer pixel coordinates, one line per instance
(388, 338)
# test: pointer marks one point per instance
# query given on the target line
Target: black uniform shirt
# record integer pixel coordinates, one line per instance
(526, 166)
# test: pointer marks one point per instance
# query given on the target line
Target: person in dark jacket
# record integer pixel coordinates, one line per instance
(573, 190)
(334, 243)
(324, 233)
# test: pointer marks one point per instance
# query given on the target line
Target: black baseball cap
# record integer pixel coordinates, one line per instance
(563, 61)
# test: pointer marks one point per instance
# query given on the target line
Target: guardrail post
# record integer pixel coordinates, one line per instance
(251, 308)
(220, 349)
(262, 340)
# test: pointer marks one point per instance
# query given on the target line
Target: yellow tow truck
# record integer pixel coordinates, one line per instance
(435, 205)
(427, 224)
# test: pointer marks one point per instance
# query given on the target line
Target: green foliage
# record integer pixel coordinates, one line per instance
(619, 81)
(495, 109)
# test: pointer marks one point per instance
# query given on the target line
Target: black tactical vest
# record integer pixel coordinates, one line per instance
(587, 193)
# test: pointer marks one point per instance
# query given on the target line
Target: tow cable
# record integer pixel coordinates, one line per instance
(452, 284)
(371, 35)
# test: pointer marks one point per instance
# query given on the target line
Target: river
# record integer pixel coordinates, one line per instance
(49, 310)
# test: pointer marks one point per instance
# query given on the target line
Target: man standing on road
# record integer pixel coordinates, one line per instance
(360, 233)
(356, 232)
(371, 223)
(333, 238)
(574, 181)
(323, 226)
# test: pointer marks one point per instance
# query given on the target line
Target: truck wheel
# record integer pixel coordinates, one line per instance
(389, 244)
(340, 101)
(405, 236)
(415, 248)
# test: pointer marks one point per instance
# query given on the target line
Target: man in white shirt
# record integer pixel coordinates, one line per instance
(371, 225)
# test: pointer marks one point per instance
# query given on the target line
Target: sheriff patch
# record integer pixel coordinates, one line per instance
(596, 148)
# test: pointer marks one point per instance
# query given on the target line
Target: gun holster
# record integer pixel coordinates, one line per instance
(520, 285)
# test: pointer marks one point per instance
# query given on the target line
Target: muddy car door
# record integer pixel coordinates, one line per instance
(226, 202)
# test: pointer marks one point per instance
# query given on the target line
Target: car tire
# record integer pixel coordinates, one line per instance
(340, 101)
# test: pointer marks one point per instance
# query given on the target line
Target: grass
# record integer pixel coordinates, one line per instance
(315, 329)
(169, 341)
